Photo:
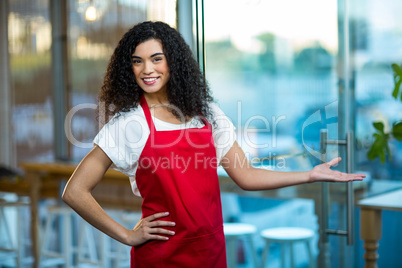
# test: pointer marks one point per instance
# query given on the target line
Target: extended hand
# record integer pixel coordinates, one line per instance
(324, 172)
(149, 229)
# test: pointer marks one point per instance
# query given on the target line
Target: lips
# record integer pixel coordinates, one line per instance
(150, 80)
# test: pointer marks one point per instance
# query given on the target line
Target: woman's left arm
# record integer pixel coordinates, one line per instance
(249, 178)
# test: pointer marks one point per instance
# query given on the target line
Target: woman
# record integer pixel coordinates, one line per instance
(169, 138)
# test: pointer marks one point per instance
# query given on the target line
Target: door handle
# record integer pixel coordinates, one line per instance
(349, 233)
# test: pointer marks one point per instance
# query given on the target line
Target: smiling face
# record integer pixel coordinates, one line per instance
(150, 67)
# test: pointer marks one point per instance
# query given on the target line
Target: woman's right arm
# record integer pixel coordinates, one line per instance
(77, 194)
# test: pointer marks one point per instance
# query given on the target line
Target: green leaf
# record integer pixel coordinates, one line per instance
(396, 89)
(397, 131)
(379, 126)
(397, 69)
(382, 157)
(376, 147)
(379, 148)
(397, 79)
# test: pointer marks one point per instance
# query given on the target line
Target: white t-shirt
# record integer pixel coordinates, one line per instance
(123, 138)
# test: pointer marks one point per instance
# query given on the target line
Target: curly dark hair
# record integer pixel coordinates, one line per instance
(187, 89)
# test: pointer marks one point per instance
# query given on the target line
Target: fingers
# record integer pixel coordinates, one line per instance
(152, 229)
(334, 161)
(161, 223)
(350, 176)
(358, 177)
(324, 172)
(353, 177)
(151, 221)
(155, 233)
(157, 216)
(345, 177)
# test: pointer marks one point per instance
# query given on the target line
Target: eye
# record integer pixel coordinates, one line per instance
(136, 61)
(157, 59)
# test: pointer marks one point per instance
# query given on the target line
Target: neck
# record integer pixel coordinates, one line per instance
(156, 98)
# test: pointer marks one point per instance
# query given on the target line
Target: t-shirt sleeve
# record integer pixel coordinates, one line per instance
(223, 132)
(122, 139)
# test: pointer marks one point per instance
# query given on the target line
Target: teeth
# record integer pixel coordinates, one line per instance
(149, 79)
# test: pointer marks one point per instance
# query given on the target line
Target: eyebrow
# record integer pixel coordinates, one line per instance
(153, 55)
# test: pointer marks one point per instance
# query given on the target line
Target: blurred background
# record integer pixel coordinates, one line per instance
(280, 70)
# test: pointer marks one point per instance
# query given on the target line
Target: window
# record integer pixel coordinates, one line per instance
(29, 40)
(91, 42)
(94, 28)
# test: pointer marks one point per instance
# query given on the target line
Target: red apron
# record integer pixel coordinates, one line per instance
(177, 173)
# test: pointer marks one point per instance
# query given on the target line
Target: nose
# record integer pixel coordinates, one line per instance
(148, 68)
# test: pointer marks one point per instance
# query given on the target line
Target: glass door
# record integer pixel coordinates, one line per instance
(283, 71)
(274, 69)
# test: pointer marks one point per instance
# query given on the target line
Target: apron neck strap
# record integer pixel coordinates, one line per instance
(150, 122)
(205, 121)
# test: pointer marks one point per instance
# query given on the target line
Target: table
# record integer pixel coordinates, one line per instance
(45, 180)
(371, 221)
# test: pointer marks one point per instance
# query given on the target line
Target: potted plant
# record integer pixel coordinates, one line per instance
(379, 148)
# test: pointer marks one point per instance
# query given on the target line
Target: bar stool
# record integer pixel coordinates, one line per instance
(93, 246)
(48, 256)
(128, 220)
(286, 237)
(235, 231)
(97, 249)
(13, 249)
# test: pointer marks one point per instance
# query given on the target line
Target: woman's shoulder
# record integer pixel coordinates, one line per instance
(215, 110)
(128, 115)
(133, 117)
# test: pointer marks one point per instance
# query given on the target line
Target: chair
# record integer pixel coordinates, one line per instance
(95, 247)
(234, 232)
(64, 256)
(14, 250)
(128, 220)
(287, 237)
